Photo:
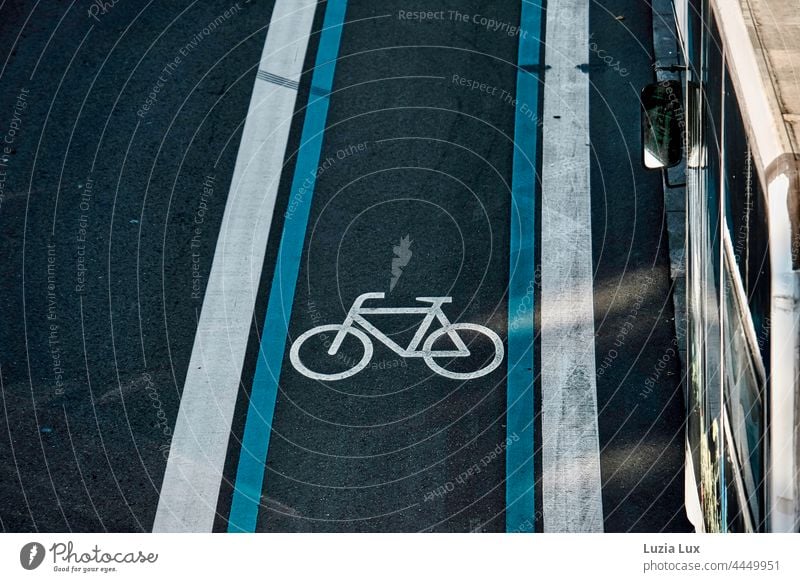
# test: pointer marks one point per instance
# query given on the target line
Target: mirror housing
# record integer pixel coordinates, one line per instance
(662, 124)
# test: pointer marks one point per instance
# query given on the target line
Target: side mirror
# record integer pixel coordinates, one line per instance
(662, 124)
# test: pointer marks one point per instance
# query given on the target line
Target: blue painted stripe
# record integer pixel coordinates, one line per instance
(258, 426)
(520, 498)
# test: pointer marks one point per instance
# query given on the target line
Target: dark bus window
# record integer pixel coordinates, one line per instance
(747, 220)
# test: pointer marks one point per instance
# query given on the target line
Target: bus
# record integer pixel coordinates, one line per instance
(726, 114)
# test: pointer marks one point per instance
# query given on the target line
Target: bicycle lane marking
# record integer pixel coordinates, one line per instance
(188, 497)
(427, 353)
(258, 424)
(571, 486)
(520, 493)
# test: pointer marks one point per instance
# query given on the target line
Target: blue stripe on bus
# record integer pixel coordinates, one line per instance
(258, 426)
(520, 498)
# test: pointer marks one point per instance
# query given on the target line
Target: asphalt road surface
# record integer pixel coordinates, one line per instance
(190, 189)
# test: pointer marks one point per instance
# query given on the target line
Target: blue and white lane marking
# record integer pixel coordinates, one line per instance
(520, 499)
(188, 497)
(258, 426)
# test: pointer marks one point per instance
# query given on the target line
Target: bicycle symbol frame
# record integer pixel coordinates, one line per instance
(427, 353)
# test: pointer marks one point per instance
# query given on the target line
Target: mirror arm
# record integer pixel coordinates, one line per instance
(671, 68)
(669, 184)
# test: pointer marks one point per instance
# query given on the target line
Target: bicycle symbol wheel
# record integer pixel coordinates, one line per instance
(294, 353)
(430, 354)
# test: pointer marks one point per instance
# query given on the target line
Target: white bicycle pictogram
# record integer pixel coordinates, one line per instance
(427, 353)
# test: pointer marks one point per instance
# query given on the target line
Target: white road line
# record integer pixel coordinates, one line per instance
(571, 494)
(188, 498)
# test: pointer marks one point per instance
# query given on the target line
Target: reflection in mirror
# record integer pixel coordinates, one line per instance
(662, 124)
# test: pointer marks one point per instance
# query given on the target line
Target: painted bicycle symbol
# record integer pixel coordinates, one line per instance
(356, 317)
